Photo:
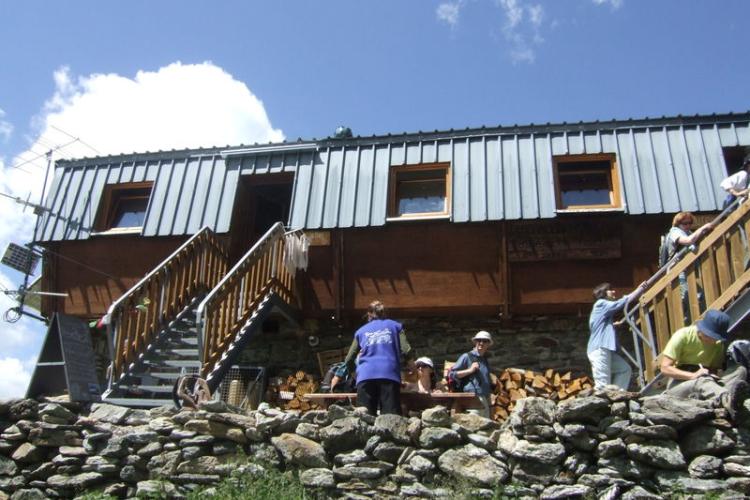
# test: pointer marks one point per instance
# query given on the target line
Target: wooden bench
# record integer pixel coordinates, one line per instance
(411, 401)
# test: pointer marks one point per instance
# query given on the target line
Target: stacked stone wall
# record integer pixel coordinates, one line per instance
(607, 445)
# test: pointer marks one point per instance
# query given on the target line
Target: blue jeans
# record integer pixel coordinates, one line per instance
(608, 367)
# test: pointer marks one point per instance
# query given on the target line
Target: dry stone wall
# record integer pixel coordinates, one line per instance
(606, 445)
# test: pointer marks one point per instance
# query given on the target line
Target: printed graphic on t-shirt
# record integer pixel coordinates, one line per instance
(378, 337)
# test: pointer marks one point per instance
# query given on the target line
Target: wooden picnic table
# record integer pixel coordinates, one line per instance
(411, 401)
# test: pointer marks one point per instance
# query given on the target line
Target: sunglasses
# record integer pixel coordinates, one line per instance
(423, 366)
(482, 341)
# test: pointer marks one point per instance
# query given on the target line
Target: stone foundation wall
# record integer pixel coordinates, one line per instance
(534, 343)
(607, 445)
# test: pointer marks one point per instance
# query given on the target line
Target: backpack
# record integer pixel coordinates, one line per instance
(664, 250)
(455, 383)
(739, 352)
(347, 383)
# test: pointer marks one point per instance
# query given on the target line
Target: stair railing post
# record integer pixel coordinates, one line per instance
(200, 323)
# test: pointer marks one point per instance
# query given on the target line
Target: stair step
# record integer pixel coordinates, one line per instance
(162, 389)
(179, 363)
(167, 351)
(139, 402)
(180, 340)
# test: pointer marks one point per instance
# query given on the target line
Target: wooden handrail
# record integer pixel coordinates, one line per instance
(226, 309)
(136, 317)
(715, 274)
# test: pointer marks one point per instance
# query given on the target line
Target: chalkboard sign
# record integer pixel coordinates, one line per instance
(67, 362)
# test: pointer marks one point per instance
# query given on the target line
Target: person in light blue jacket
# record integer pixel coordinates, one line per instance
(607, 366)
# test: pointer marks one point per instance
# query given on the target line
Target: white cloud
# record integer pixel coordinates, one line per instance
(522, 29)
(448, 12)
(177, 106)
(6, 128)
(614, 3)
(14, 378)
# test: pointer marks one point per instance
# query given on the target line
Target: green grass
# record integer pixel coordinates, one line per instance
(271, 485)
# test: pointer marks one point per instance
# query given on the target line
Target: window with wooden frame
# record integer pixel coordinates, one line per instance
(422, 190)
(123, 207)
(587, 182)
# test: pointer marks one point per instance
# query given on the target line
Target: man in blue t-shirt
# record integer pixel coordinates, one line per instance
(380, 344)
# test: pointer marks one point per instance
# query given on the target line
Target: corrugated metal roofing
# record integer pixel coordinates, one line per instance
(665, 165)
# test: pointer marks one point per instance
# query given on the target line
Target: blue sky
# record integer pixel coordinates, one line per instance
(144, 75)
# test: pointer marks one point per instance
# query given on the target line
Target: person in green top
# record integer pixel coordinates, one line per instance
(693, 359)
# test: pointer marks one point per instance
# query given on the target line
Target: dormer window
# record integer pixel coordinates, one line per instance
(419, 191)
(124, 207)
(587, 182)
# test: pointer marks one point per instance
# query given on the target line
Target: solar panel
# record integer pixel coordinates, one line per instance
(20, 258)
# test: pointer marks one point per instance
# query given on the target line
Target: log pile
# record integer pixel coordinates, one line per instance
(515, 383)
(288, 391)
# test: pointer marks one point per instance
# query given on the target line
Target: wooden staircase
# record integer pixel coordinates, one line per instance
(189, 315)
(717, 276)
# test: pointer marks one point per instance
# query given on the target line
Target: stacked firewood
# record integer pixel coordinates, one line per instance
(288, 391)
(515, 383)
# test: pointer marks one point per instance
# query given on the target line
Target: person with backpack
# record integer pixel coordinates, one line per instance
(607, 366)
(681, 236)
(472, 371)
(736, 185)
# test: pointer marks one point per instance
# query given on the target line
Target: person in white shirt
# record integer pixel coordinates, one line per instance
(736, 185)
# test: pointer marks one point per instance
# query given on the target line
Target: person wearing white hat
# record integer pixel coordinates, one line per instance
(426, 380)
(475, 369)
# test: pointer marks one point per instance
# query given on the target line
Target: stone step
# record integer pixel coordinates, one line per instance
(139, 402)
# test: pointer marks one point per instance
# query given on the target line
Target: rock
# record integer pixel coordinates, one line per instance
(650, 432)
(671, 480)
(155, 489)
(395, 427)
(675, 412)
(474, 465)
(298, 450)
(51, 435)
(611, 448)
(560, 491)
(264, 453)
(109, 413)
(28, 453)
(214, 406)
(388, 452)
(546, 453)
(623, 466)
(309, 431)
(353, 457)
(190, 452)
(130, 474)
(198, 441)
(102, 465)
(437, 416)
(532, 411)
(534, 473)
(639, 493)
(317, 478)
(222, 466)
(138, 417)
(659, 454)
(344, 434)
(475, 423)
(438, 437)
(28, 494)
(481, 441)
(78, 482)
(419, 465)
(226, 448)
(600, 481)
(414, 429)
(705, 440)
(705, 467)
(164, 465)
(115, 447)
(232, 419)
(162, 425)
(140, 437)
(117, 490)
(150, 450)
(741, 484)
(195, 478)
(416, 490)
(73, 451)
(7, 466)
(24, 409)
(589, 409)
(736, 470)
(58, 412)
(358, 472)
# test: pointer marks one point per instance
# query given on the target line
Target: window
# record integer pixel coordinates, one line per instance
(587, 182)
(124, 207)
(420, 190)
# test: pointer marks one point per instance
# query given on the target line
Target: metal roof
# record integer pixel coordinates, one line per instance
(665, 164)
